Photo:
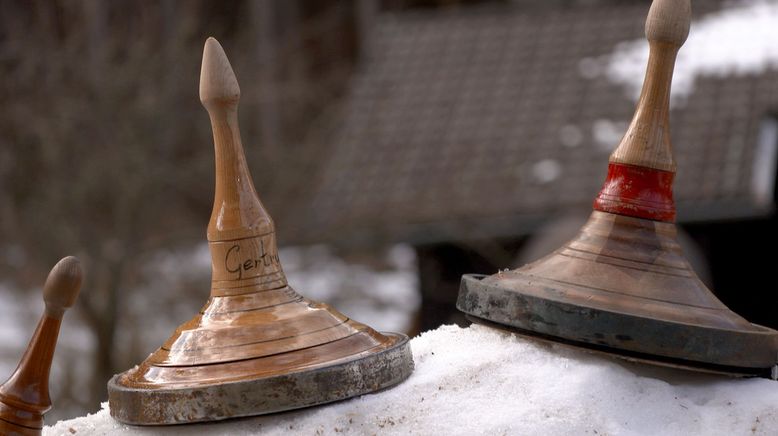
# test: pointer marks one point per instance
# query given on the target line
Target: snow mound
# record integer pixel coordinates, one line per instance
(479, 380)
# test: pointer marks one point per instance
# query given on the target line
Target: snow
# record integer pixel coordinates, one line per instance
(480, 380)
(738, 40)
(16, 333)
(765, 162)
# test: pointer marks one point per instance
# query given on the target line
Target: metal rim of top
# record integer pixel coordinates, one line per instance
(264, 395)
(638, 338)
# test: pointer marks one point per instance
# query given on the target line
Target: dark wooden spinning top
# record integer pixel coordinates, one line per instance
(622, 285)
(24, 397)
(257, 346)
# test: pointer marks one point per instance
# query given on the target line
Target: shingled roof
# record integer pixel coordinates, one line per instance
(482, 122)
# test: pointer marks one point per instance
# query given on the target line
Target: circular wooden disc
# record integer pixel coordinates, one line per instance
(367, 372)
(708, 348)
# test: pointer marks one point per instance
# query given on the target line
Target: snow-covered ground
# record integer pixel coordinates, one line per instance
(479, 380)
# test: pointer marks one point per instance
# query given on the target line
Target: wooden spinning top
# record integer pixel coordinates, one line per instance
(257, 346)
(622, 285)
(24, 397)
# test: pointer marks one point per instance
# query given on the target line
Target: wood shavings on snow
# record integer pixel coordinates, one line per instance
(479, 380)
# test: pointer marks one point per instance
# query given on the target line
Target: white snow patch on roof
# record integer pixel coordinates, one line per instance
(735, 41)
(480, 380)
(546, 170)
(607, 134)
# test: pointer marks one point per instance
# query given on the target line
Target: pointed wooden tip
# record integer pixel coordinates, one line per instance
(63, 284)
(218, 84)
(669, 21)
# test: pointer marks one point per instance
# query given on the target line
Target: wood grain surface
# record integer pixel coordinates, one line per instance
(24, 397)
(253, 325)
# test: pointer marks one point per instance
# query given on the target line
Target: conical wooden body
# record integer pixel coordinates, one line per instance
(257, 346)
(622, 285)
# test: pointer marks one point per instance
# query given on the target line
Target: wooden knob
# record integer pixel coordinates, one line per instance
(24, 397)
(62, 286)
(218, 84)
(241, 234)
(641, 169)
(669, 21)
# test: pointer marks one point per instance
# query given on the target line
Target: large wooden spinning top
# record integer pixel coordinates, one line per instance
(24, 397)
(622, 284)
(256, 346)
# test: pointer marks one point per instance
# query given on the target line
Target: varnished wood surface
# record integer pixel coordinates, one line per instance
(253, 325)
(647, 140)
(351, 347)
(642, 168)
(628, 265)
(24, 397)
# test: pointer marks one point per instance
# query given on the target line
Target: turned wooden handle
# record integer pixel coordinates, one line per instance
(24, 397)
(647, 140)
(241, 234)
(237, 211)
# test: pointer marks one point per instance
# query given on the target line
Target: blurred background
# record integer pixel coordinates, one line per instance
(397, 143)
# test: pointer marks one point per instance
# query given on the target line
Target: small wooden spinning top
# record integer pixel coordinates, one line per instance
(256, 346)
(622, 285)
(24, 397)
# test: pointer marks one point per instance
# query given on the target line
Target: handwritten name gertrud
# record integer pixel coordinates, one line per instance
(236, 264)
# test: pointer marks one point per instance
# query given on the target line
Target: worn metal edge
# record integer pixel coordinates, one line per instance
(265, 395)
(615, 353)
(642, 338)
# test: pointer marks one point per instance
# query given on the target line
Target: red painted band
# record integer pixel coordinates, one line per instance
(637, 191)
